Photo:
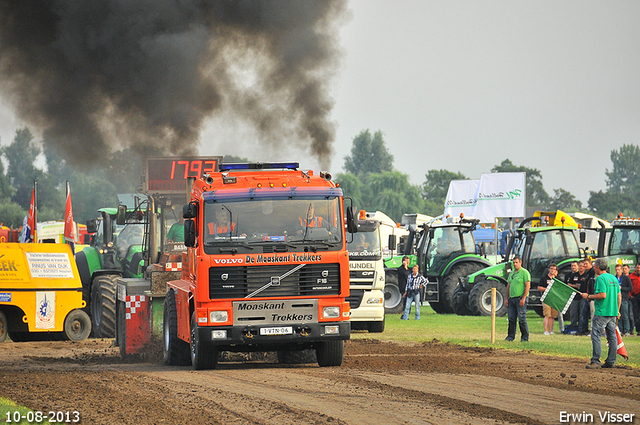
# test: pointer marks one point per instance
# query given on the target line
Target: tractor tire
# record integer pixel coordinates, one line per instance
(77, 325)
(297, 356)
(375, 327)
(449, 282)
(438, 307)
(393, 301)
(203, 356)
(103, 306)
(330, 353)
(538, 309)
(3, 327)
(460, 301)
(175, 351)
(480, 298)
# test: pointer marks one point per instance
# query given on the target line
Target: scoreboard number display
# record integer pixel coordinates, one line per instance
(169, 175)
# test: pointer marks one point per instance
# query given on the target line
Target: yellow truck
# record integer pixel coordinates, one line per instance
(41, 293)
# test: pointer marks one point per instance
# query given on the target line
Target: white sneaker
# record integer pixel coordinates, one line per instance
(546, 332)
(552, 333)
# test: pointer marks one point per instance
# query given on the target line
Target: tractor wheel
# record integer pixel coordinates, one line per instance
(438, 307)
(202, 356)
(297, 356)
(3, 327)
(103, 306)
(460, 301)
(480, 298)
(77, 325)
(376, 327)
(393, 301)
(449, 282)
(175, 351)
(330, 353)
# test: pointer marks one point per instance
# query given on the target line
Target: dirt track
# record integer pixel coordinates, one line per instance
(379, 382)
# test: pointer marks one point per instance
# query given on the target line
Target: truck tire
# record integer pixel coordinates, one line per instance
(297, 356)
(175, 351)
(330, 353)
(103, 306)
(3, 327)
(480, 298)
(202, 356)
(449, 282)
(393, 301)
(77, 325)
(460, 301)
(376, 327)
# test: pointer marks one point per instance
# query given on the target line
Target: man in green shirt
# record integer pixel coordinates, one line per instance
(607, 303)
(518, 285)
(176, 233)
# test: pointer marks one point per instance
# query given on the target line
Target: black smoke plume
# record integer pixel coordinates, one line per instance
(97, 76)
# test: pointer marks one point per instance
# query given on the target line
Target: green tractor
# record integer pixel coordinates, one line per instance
(538, 247)
(116, 250)
(446, 251)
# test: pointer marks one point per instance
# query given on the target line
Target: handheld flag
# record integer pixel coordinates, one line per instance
(69, 230)
(559, 295)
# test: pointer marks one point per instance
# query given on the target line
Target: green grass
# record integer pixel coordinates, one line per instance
(8, 407)
(476, 331)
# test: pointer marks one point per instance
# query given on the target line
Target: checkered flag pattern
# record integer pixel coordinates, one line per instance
(133, 302)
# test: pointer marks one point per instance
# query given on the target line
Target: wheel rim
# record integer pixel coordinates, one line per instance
(486, 300)
(392, 296)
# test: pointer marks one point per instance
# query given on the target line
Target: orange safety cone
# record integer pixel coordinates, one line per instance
(621, 350)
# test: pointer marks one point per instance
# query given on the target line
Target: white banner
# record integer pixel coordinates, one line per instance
(495, 195)
(461, 198)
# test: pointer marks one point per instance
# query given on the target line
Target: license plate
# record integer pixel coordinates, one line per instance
(285, 330)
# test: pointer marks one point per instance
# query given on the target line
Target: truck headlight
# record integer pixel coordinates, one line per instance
(331, 312)
(218, 316)
(374, 301)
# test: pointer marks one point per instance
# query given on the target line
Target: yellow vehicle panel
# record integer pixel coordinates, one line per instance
(43, 281)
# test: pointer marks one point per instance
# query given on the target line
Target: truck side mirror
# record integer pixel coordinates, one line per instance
(121, 216)
(352, 225)
(392, 242)
(190, 210)
(92, 225)
(189, 233)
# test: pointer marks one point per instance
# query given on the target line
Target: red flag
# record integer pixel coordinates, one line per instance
(69, 228)
(621, 350)
(30, 231)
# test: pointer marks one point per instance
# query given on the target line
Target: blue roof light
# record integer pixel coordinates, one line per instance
(259, 166)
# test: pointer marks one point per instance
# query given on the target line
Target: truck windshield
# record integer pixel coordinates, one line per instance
(265, 221)
(365, 245)
(624, 241)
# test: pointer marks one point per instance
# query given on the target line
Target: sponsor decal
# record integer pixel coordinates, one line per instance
(5, 297)
(355, 265)
(260, 306)
(290, 317)
(288, 258)
(49, 264)
(45, 310)
(228, 260)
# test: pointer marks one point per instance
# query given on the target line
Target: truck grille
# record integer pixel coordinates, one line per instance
(358, 277)
(240, 281)
(355, 298)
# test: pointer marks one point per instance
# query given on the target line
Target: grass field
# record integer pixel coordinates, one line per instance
(476, 331)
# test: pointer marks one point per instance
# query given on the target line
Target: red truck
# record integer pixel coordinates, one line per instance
(266, 267)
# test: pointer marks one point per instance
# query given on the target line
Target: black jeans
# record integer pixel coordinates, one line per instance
(520, 314)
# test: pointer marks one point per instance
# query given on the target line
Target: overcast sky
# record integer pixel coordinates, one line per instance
(463, 85)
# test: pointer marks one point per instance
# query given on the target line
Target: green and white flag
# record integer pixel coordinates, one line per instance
(559, 295)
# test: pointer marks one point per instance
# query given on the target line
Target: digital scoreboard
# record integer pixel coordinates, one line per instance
(169, 175)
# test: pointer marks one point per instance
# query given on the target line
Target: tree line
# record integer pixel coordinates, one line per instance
(370, 179)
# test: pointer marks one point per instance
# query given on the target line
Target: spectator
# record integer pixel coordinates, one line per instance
(548, 312)
(626, 314)
(572, 279)
(518, 285)
(607, 306)
(403, 273)
(591, 276)
(634, 299)
(585, 307)
(415, 282)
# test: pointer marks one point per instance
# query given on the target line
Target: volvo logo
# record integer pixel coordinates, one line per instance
(325, 273)
(224, 276)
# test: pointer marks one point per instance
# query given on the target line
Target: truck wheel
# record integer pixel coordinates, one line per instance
(3, 327)
(330, 353)
(393, 301)
(174, 350)
(460, 301)
(103, 306)
(376, 327)
(202, 356)
(449, 282)
(480, 298)
(297, 356)
(77, 325)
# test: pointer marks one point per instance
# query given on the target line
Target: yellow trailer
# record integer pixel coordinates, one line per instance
(41, 293)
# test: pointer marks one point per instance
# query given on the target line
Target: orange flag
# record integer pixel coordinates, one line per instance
(621, 350)
(69, 228)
